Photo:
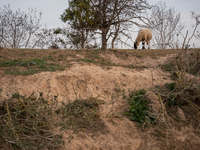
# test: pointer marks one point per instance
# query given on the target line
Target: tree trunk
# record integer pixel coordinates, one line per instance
(113, 42)
(115, 35)
(104, 28)
(104, 41)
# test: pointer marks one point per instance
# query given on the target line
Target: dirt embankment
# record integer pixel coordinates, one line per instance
(85, 80)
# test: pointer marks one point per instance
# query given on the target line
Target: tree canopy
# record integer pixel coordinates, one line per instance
(82, 19)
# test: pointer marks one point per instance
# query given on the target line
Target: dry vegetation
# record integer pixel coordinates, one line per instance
(167, 113)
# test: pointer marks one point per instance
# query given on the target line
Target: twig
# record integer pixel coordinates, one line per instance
(152, 76)
(74, 89)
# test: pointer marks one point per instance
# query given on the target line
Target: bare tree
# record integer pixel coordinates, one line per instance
(112, 13)
(197, 19)
(186, 40)
(197, 35)
(121, 34)
(19, 29)
(166, 25)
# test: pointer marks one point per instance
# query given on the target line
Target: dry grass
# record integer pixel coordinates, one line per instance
(82, 115)
(29, 123)
(184, 92)
(35, 123)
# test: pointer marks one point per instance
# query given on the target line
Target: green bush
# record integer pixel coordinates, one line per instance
(139, 111)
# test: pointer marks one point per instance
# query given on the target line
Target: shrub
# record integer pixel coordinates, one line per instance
(29, 123)
(139, 111)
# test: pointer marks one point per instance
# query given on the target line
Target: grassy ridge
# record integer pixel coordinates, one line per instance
(31, 61)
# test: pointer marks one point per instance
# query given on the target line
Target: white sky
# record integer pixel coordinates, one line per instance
(52, 9)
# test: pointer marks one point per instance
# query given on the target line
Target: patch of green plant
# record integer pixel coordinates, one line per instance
(138, 109)
(18, 72)
(123, 74)
(17, 96)
(22, 54)
(30, 66)
(154, 57)
(18, 62)
(170, 86)
(30, 123)
(89, 60)
(139, 55)
(114, 50)
(169, 67)
(96, 56)
(144, 67)
(118, 92)
(39, 61)
(97, 51)
(93, 54)
(33, 62)
(51, 58)
(172, 101)
(9, 63)
(35, 69)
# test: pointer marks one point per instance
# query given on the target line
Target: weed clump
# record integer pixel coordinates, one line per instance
(183, 94)
(82, 114)
(168, 67)
(170, 86)
(29, 123)
(139, 111)
(36, 123)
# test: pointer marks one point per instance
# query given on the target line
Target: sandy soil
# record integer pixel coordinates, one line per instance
(85, 80)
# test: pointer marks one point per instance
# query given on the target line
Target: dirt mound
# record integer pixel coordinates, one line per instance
(82, 81)
(85, 80)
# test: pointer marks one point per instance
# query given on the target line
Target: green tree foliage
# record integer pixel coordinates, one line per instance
(82, 19)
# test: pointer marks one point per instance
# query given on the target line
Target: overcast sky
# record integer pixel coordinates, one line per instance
(52, 9)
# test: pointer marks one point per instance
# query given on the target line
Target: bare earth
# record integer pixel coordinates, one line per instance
(83, 80)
